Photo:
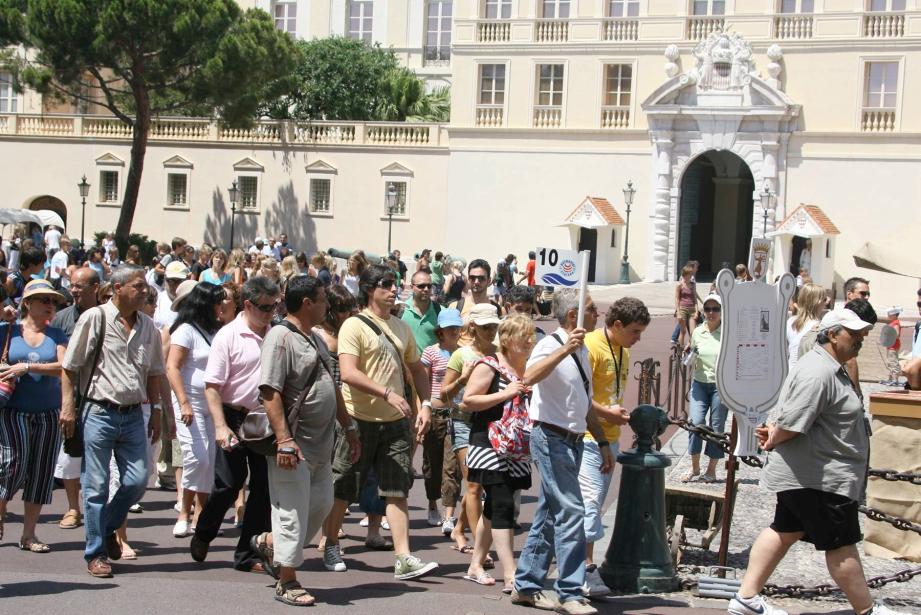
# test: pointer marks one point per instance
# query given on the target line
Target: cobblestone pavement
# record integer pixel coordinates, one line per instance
(803, 565)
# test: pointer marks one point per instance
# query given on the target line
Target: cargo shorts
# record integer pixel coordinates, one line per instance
(385, 447)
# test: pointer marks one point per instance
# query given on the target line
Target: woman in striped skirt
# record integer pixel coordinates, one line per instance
(29, 433)
(495, 388)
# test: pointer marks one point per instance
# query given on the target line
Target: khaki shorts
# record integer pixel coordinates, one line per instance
(385, 448)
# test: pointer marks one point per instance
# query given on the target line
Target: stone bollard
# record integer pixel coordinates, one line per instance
(638, 559)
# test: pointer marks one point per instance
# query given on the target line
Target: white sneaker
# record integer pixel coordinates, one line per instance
(447, 526)
(332, 559)
(433, 519)
(752, 606)
(594, 586)
(577, 607)
(385, 525)
(181, 529)
(363, 522)
(881, 609)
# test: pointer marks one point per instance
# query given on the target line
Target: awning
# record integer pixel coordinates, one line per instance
(888, 258)
(42, 217)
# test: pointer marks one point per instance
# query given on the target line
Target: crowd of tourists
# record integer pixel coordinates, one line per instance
(276, 386)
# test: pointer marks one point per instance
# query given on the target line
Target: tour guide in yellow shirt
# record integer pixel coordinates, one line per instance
(609, 356)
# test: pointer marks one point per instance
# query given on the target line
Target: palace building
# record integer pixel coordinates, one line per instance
(734, 119)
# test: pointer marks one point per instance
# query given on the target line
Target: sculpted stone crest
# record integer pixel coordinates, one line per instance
(724, 62)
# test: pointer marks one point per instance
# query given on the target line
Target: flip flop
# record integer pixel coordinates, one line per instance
(129, 553)
(483, 578)
(34, 545)
(690, 477)
(706, 478)
(466, 549)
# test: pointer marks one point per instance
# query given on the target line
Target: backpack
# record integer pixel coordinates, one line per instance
(510, 436)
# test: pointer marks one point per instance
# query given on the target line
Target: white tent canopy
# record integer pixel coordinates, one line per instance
(888, 258)
(42, 217)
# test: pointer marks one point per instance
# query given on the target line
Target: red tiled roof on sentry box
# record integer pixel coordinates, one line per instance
(604, 207)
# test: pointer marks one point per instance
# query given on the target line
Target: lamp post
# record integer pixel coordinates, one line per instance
(84, 192)
(234, 193)
(391, 204)
(766, 196)
(629, 191)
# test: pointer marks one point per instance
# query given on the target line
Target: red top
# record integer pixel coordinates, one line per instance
(898, 341)
(531, 268)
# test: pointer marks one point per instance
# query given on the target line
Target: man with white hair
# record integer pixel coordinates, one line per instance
(818, 451)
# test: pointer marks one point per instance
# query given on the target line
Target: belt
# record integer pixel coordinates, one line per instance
(442, 412)
(108, 405)
(570, 437)
(458, 415)
(240, 409)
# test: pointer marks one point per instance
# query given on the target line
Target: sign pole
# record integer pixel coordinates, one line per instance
(583, 285)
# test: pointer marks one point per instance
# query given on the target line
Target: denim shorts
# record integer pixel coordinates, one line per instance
(460, 435)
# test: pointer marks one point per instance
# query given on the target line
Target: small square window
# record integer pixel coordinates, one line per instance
(249, 191)
(177, 187)
(399, 203)
(320, 195)
(108, 186)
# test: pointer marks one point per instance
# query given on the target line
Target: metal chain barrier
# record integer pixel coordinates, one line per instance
(722, 440)
(892, 475)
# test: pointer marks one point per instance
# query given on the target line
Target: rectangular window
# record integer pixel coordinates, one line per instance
(438, 30)
(623, 8)
(613, 238)
(361, 17)
(618, 82)
(249, 191)
(709, 7)
(492, 84)
(887, 5)
(285, 14)
(555, 9)
(9, 102)
(177, 187)
(498, 9)
(881, 85)
(796, 6)
(399, 203)
(320, 191)
(108, 186)
(550, 85)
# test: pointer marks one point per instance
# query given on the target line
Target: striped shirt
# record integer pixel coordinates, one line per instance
(435, 359)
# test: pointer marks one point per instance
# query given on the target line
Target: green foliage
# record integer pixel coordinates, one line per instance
(432, 107)
(147, 246)
(335, 79)
(141, 58)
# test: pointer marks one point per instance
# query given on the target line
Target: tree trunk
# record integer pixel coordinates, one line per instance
(139, 138)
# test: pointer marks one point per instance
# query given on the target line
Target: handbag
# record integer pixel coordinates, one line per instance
(8, 386)
(73, 445)
(255, 430)
(510, 436)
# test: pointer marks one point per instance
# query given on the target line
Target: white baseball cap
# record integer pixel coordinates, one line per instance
(846, 318)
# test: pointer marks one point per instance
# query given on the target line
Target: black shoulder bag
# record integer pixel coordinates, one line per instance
(407, 387)
(73, 445)
(585, 382)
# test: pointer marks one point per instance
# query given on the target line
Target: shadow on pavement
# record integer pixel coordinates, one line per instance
(355, 593)
(42, 588)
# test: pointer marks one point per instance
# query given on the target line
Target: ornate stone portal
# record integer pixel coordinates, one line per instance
(722, 103)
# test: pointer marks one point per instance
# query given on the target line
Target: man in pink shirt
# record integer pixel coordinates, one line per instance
(231, 390)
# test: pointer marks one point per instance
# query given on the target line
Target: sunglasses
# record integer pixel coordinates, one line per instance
(386, 283)
(477, 278)
(44, 300)
(265, 308)
(865, 294)
(713, 310)
(423, 286)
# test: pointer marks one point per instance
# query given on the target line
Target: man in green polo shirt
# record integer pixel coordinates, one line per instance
(421, 313)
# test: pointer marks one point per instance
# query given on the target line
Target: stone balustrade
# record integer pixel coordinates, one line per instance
(877, 120)
(788, 27)
(269, 132)
(884, 25)
(548, 116)
(490, 116)
(615, 117)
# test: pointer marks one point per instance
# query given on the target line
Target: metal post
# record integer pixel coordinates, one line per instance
(82, 222)
(728, 503)
(629, 191)
(234, 193)
(389, 229)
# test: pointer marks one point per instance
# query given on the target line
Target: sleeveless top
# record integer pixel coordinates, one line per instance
(456, 289)
(687, 295)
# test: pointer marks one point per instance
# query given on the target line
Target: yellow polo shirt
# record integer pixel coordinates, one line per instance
(605, 366)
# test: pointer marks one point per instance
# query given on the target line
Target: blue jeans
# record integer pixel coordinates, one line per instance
(705, 398)
(557, 528)
(106, 432)
(594, 486)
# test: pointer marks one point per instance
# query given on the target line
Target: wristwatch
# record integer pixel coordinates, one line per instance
(427, 403)
(287, 450)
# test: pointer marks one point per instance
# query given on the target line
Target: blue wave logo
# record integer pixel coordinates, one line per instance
(553, 279)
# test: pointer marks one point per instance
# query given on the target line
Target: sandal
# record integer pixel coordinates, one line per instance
(72, 519)
(708, 478)
(292, 594)
(690, 477)
(33, 545)
(260, 546)
(508, 588)
(483, 578)
(488, 563)
(466, 549)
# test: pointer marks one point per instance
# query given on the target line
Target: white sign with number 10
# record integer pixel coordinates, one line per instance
(558, 268)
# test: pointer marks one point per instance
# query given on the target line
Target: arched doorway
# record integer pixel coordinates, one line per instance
(715, 213)
(49, 202)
